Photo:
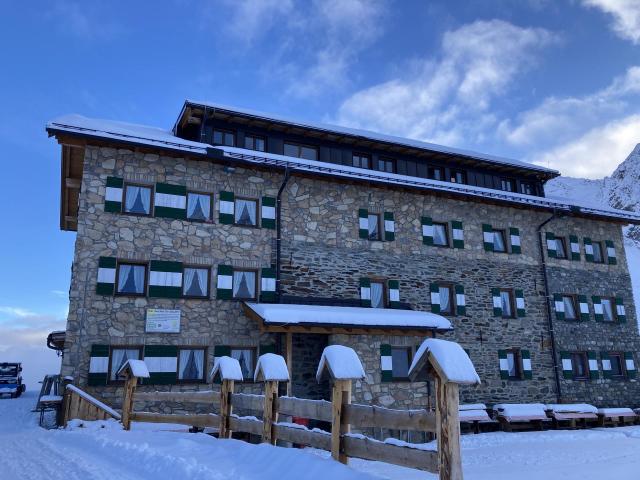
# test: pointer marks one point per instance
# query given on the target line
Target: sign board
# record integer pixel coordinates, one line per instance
(160, 320)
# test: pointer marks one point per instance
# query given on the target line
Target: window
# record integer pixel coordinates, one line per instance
(252, 142)
(374, 227)
(507, 184)
(499, 244)
(458, 176)
(222, 137)
(377, 294)
(597, 252)
(191, 364)
(244, 284)
(400, 361)
(132, 279)
(514, 364)
(446, 300)
(617, 365)
(436, 173)
(387, 165)
(137, 199)
(506, 302)
(580, 366)
(118, 358)
(561, 249)
(300, 151)
(246, 212)
(569, 302)
(199, 206)
(246, 358)
(195, 282)
(361, 161)
(440, 236)
(608, 314)
(526, 188)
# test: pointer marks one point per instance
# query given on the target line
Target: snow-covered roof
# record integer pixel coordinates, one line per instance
(138, 368)
(449, 360)
(369, 135)
(341, 363)
(293, 314)
(271, 367)
(228, 368)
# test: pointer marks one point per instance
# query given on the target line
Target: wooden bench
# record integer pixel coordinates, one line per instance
(576, 415)
(521, 416)
(473, 416)
(612, 417)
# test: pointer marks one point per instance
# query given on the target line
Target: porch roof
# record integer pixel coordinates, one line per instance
(289, 317)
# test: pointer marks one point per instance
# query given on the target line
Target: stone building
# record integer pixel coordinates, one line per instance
(239, 233)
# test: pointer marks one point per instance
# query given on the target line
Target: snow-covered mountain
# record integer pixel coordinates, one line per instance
(621, 190)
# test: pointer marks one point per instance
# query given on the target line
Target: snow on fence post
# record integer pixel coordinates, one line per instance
(343, 366)
(227, 370)
(451, 366)
(270, 369)
(130, 371)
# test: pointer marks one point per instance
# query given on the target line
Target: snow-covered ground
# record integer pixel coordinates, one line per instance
(164, 452)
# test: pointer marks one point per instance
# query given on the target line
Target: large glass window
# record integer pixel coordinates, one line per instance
(580, 366)
(400, 361)
(440, 237)
(608, 314)
(253, 142)
(244, 284)
(119, 357)
(506, 301)
(223, 137)
(597, 252)
(377, 294)
(199, 206)
(246, 358)
(195, 282)
(300, 151)
(499, 243)
(507, 184)
(374, 227)
(569, 302)
(361, 161)
(458, 176)
(526, 188)
(132, 279)
(191, 364)
(246, 212)
(137, 200)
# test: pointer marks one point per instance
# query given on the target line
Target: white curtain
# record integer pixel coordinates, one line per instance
(195, 282)
(506, 304)
(439, 236)
(191, 364)
(118, 358)
(498, 241)
(189, 275)
(138, 275)
(445, 300)
(198, 206)
(245, 358)
(569, 311)
(124, 272)
(373, 226)
(607, 310)
(244, 284)
(138, 199)
(376, 295)
(245, 212)
(511, 362)
(202, 279)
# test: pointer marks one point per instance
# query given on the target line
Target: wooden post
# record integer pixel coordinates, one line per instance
(289, 360)
(340, 396)
(270, 414)
(448, 430)
(225, 408)
(130, 384)
(63, 415)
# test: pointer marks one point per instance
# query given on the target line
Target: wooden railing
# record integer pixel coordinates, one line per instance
(78, 404)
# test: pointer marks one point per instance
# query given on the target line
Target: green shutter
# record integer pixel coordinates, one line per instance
(574, 247)
(526, 364)
(606, 364)
(170, 201)
(434, 289)
(162, 361)
(588, 249)
(461, 301)
(106, 275)
(583, 307)
(559, 306)
(386, 363)
(630, 365)
(514, 236)
(113, 195)
(621, 313)
(394, 293)
(268, 285)
(268, 212)
(597, 308)
(593, 365)
(98, 365)
(611, 252)
(503, 364)
(165, 279)
(487, 237)
(363, 223)
(567, 368)
(497, 302)
(552, 251)
(227, 208)
(457, 233)
(427, 231)
(389, 227)
(267, 349)
(365, 292)
(520, 305)
(224, 286)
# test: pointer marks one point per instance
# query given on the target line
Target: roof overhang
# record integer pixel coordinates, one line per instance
(55, 340)
(281, 317)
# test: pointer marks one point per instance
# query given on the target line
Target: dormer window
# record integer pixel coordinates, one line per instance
(526, 188)
(300, 151)
(361, 161)
(387, 165)
(507, 184)
(223, 137)
(253, 142)
(458, 176)
(436, 173)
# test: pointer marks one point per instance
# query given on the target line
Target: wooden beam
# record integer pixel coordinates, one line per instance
(289, 360)
(379, 417)
(208, 397)
(303, 436)
(247, 401)
(369, 449)
(340, 396)
(72, 183)
(448, 428)
(196, 420)
(305, 408)
(270, 411)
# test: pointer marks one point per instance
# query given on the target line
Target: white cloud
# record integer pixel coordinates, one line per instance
(626, 16)
(448, 98)
(16, 312)
(83, 20)
(596, 153)
(251, 19)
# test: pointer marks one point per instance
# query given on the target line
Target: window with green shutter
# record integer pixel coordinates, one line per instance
(520, 305)
(389, 227)
(365, 292)
(268, 285)
(497, 302)
(611, 252)
(461, 301)
(227, 208)
(106, 275)
(363, 223)
(98, 365)
(551, 245)
(427, 230)
(394, 293)
(584, 308)
(526, 364)
(574, 247)
(113, 195)
(621, 313)
(386, 364)
(224, 290)
(593, 365)
(588, 249)
(268, 212)
(487, 237)
(170, 201)
(514, 238)
(165, 279)
(597, 308)
(457, 232)
(630, 365)
(394, 362)
(162, 362)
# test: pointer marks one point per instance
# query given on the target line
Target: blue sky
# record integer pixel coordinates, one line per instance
(552, 82)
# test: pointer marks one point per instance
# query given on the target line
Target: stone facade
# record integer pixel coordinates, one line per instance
(322, 256)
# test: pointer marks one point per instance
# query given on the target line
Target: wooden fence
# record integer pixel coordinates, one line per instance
(79, 404)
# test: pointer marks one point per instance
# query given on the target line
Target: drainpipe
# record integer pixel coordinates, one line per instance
(287, 175)
(548, 301)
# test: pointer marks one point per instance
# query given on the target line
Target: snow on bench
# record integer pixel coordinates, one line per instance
(271, 367)
(473, 412)
(616, 412)
(228, 368)
(520, 412)
(342, 363)
(449, 360)
(571, 408)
